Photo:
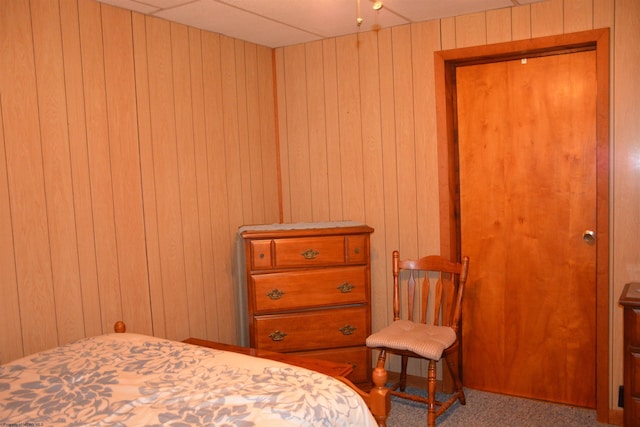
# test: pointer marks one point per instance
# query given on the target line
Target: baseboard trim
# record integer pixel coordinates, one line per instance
(616, 417)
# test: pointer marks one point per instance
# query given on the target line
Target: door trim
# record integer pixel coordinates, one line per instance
(448, 174)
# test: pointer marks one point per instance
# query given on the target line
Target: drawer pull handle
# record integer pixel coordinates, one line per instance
(347, 329)
(275, 294)
(310, 254)
(277, 335)
(346, 287)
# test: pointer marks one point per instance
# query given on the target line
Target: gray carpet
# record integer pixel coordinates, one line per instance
(493, 410)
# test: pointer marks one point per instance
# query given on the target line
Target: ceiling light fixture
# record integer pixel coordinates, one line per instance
(377, 5)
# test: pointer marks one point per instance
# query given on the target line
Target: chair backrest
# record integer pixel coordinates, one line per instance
(449, 277)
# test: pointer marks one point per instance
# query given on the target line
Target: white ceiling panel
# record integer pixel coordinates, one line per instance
(426, 10)
(324, 18)
(233, 22)
(132, 5)
(276, 23)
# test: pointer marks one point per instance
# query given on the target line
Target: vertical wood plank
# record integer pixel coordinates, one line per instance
(405, 140)
(521, 22)
(298, 161)
(254, 146)
(80, 167)
(424, 42)
(182, 96)
(499, 25)
(202, 183)
(604, 17)
(244, 149)
(10, 325)
(125, 168)
(471, 30)
(389, 156)
(211, 62)
(318, 168)
(270, 184)
(99, 162)
(330, 73)
(448, 33)
(349, 119)
(154, 270)
(230, 102)
(226, 289)
(47, 47)
(283, 131)
(546, 18)
(372, 156)
(25, 177)
(166, 177)
(578, 15)
(248, 151)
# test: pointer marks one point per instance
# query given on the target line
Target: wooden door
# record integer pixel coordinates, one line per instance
(527, 152)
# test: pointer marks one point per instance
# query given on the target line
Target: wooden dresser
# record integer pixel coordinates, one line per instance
(308, 291)
(630, 300)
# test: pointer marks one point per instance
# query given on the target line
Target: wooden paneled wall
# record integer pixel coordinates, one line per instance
(358, 134)
(131, 150)
(625, 169)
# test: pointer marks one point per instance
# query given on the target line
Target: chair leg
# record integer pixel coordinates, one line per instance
(431, 404)
(403, 373)
(379, 401)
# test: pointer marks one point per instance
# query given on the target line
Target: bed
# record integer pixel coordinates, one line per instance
(129, 379)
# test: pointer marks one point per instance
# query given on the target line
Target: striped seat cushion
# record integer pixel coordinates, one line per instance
(428, 341)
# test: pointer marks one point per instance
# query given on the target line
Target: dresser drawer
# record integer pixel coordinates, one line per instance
(309, 251)
(358, 249)
(309, 288)
(300, 252)
(260, 254)
(358, 357)
(311, 330)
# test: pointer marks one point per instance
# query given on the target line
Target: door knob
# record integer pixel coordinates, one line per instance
(589, 236)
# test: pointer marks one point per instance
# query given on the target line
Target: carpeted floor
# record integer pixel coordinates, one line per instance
(494, 410)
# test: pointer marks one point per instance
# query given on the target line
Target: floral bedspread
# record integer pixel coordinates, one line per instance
(135, 380)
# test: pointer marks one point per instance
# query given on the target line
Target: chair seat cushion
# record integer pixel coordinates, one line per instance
(428, 341)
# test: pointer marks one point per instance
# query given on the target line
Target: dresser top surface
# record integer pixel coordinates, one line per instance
(321, 228)
(631, 295)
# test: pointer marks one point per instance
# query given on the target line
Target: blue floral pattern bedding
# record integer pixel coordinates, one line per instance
(135, 380)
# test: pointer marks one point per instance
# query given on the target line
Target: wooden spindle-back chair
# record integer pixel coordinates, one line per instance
(422, 330)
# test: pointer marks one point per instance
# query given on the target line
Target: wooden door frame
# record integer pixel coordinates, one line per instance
(448, 173)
